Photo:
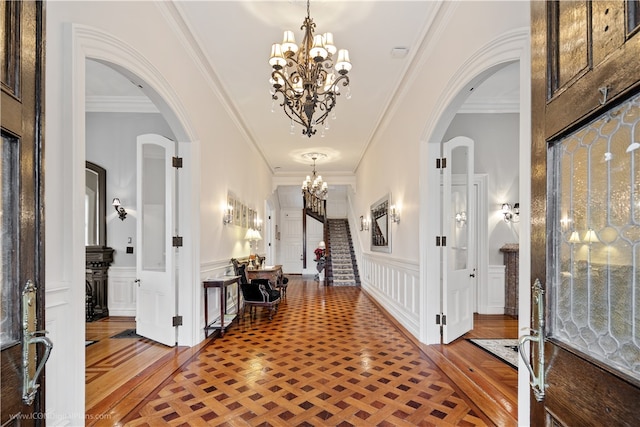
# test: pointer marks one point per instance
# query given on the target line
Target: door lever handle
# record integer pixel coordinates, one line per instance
(31, 337)
(537, 336)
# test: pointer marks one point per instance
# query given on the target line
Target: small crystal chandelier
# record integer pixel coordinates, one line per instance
(315, 186)
(304, 76)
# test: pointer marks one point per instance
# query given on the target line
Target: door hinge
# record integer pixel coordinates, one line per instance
(441, 319)
(177, 241)
(176, 162)
(441, 163)
(177, 320)
(441, 240)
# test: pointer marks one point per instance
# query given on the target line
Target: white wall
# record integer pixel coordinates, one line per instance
(217, 161)
(111, 144)
(222, 159)
(399, 161)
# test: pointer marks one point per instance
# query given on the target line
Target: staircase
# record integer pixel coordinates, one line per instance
(341, 268)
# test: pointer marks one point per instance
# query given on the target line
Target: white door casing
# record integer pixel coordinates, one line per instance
(155, 266)
(458, 224)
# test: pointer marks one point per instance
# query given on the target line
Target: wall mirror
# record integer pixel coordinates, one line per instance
(95, 199)
(380, 229)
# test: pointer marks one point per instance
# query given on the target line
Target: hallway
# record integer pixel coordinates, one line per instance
(339, 361)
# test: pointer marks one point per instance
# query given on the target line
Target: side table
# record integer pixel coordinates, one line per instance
(225, 319)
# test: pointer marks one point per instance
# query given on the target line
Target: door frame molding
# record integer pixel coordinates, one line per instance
(84, 43)
(81, 43)
(511, 46)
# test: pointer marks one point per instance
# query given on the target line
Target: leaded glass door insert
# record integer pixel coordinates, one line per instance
(594, 197)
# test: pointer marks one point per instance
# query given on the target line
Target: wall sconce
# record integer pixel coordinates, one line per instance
(257, 224)
(362, 221)
(122, 214)
(511, 214)
(227, 216)
(367, 221)
(395, 214)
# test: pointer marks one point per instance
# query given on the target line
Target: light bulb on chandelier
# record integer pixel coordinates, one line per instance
(304, 77)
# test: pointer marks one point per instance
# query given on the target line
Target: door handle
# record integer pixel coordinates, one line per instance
(30, 338)
(137, 281)
(537, 382)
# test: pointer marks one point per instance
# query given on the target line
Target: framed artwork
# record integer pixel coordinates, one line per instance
(252, 219)
(245, 213)
(237, 213)
(381, 225)
(231, 202)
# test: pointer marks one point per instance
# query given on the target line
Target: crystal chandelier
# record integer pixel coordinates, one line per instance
(314, 186)
(304, 77)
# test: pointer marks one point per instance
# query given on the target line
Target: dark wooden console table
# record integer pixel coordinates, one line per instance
(98, 260)
(225, 319)
(511, 253)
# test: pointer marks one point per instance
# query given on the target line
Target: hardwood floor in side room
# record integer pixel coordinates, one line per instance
(329, 357)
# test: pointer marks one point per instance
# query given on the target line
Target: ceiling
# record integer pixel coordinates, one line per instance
(235, 38)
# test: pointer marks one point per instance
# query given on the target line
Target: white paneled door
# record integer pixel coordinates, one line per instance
(458, 222)
(156, 284)
(291, 243)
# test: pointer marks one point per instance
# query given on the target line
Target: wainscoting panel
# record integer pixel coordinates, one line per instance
(122, 291)
(64, 305)
(491, 299)
(394, 284)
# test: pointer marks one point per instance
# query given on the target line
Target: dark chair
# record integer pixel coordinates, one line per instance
(257, 293)
(282, 284)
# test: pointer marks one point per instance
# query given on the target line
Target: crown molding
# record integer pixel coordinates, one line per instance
(491, 106)
(120, 104)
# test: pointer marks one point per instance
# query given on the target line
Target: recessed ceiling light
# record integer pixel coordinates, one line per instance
(399, 52)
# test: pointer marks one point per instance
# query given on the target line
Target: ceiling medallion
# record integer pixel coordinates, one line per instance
(304, 77)
(314, 185)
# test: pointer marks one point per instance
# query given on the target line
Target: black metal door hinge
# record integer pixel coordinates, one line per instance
(441, 163)
(176, 162)
(177, 320)
(441, 319)
(441, 240)
(177, 241)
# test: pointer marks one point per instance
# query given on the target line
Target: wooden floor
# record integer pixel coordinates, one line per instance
(329, 357)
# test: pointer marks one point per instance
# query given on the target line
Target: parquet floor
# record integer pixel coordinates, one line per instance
(329, 357)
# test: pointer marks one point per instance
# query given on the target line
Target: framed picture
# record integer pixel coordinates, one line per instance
(231, 202)
(245, 213)
(381, 225)
(237, 213)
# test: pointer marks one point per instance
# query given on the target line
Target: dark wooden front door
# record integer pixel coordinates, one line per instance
(586, 210)
(21, 211)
